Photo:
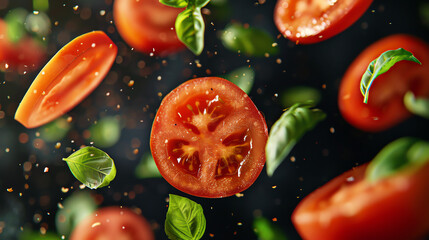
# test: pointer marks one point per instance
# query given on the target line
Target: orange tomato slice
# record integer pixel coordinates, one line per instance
(70, 76)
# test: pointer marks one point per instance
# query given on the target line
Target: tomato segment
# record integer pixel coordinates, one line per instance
(313, 21)
(385, 107)
(208, 138)
(71, 75)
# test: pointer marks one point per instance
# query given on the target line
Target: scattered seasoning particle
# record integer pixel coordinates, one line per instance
(46, 170)
(10, 189)
(239, 224)
(57, 145)
(274, 187)
(332, 130)
(131, 83)
(239, 194)
(69, 119)
(292, 159)
(64, 190)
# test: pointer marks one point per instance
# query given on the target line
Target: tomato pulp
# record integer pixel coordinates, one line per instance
(71, 75)
(113, 223)
(208, 138)
(147, 25)
(385, 106)
(308, 22)
(350, 207)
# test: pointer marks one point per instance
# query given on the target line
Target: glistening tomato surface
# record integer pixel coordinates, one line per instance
(208, 138)
(349, 207)
(25, 55)
(313, 21)
(147, 25)
(71, 75)
(385, 106)
(113, 223)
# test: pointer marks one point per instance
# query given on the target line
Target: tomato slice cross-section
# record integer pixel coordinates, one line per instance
(208, 138)
(70, 76)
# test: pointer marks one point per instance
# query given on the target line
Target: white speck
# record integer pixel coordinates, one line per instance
(95, 224)
(93, 45)
(46, 170)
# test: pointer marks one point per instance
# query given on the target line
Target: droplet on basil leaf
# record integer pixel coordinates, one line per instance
(106, 132)
(242, 77)
(147, 167)
(287, 131)
(248, 40)
(92, 167)
(266, 230)
(418, 106)
(300, 94)
(185, 219)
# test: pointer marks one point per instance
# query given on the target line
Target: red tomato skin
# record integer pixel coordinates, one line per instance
(392, 208)
(346, 18)
(201, 186)
(385, 106)
(69, 77)
(113, 223)
(137, 22)
(24, 56)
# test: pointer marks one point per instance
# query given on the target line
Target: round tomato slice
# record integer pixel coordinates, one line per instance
(307, 22)
(385, 106)
(208, 138)
(349, 207)
(147, 25)
(71, 75)
(113, 223)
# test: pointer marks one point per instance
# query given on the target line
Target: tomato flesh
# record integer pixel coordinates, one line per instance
(208, 138)
(313, 21)
(71, 75)
(385, 106)
(113, 223)
(349, 207)
(147, 25)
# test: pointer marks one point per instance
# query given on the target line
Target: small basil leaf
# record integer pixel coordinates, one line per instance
(106, 132)
(185, 219)
(242, 77)
(175, 3)
(74, 209)
(286, 132)
(249, 41)
(55, 131)
(418, 106)
(41, 5)
(190, 29)
(266, 230)
(300, 94)
(147, 167)
(397, 156)
(381, 65)
(92, 167)
(15, 20)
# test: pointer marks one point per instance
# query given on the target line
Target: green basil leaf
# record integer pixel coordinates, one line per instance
(15, 20)
(41, 5)
(424, 13)
(30, 235)
(147, 167)
(185, 219)
(74, 209)
(397, 156)
(266, 230)
(300, 94)
(55, 131)
(92, 167)
(242, 77)
(249, 41)
(175, 3)
(381, 65)
(286, 132)
(190, 29)
(418, 106)
(106, 132)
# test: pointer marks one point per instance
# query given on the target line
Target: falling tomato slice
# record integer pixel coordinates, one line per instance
(71, 75)
(208, 138)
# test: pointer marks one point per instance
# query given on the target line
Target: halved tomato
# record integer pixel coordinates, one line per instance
(208, 138)
(313, 21)
(385, 106)
(71, 75)
(113, 223)
(350, 207)
(147, 25)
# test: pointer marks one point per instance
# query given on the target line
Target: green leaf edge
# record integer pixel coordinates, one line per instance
(417, 106)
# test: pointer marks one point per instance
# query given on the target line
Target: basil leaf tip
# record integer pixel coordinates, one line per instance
(243, 77)
(185, 219)
(287, 131)
(417, 106)
(381, 65)
(92, 167)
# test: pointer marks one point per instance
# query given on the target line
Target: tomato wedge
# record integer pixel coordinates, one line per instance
(385, 107)
(208, 138)
(71, 75)
(349, 207)
(313, 21)
(147, 25)
(113, 223)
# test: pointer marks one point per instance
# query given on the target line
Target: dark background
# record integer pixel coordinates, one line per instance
(320, 155)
